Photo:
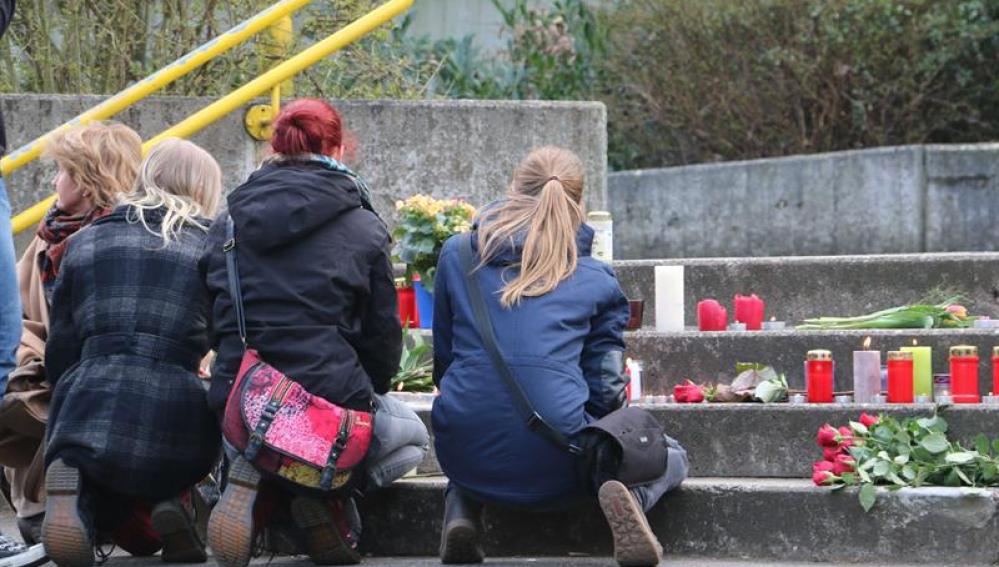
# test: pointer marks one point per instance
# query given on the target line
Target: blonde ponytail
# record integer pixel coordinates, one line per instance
(545, 202)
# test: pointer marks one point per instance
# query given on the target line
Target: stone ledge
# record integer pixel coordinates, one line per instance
(740, 440)
(756, 519)
(796, 288)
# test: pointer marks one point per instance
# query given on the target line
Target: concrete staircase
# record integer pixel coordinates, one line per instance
(750, 498)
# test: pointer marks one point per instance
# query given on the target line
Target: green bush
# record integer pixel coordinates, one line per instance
(712, 80)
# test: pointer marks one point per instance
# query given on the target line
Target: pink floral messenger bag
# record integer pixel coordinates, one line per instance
(280, 427)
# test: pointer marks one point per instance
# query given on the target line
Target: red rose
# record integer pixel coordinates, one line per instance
(869, 420)
(828, 436)
(846, 437)
(830, 453)
(823, 478)
(843, 464)
(688, 393)
(822, 466)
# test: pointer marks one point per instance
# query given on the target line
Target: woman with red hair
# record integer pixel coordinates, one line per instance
(320, 307)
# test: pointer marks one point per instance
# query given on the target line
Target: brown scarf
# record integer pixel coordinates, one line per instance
(56, 229)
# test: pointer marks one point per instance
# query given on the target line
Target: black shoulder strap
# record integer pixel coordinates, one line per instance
(534, 421)
(232, 269)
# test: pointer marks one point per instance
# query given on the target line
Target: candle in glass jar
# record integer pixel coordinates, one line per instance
(964, 374)
(995, 369)
(922, 369)
(819, 376)
(866, 374)
(749, 310)
(900, 381)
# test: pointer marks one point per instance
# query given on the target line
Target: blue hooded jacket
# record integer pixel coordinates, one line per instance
(566, 350)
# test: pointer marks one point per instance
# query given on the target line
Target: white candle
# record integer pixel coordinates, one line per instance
(669, 298)
(866, 375)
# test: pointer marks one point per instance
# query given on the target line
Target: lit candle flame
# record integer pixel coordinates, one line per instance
(867, 343)
(914, 342)
(774, 318)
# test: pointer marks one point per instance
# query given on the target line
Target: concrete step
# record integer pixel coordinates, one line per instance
(796, 288)
(741, 440)
(673, 357)
(670, 358)
(750, 519)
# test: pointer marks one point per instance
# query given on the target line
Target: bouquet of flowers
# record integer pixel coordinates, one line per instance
(424, 223)
(897, 453)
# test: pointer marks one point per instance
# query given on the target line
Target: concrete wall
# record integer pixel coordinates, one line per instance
(884, 200)
(443, 148)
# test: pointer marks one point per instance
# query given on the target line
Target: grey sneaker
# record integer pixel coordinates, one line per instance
(14, 554)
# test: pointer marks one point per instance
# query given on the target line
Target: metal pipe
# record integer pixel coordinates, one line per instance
(142, 89)
(284, 71)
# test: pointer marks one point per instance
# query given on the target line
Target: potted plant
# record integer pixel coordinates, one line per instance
(423, 224)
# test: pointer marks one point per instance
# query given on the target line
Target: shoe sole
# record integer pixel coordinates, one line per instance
(460, 544)
(324, 544)
(65, 537)
(634, 543)
(230, 528)
(181, 543)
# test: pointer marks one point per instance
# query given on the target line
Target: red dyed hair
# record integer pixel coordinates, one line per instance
(307, 125)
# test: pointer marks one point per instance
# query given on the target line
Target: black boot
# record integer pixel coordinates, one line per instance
(460, 541)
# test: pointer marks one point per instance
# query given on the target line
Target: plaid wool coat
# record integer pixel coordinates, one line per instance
(128, 326)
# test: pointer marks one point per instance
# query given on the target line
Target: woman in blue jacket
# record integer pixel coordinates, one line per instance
(559, 317)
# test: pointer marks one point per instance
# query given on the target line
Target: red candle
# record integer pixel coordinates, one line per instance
(711, 316)
(407, 306)
(819, 376)
(749, 310)
(900, 377)
(995, 371)
(964, 374)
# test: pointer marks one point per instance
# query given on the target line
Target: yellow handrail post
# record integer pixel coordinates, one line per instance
(162, 78)
(282, 72)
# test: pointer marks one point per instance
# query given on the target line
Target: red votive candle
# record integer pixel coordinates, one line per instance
(711, 316)
(995, 371)
(819, 376)
(964, 374)
(900, 377)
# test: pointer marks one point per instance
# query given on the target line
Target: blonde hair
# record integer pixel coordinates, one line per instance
(101, 158)
(181, 178)
(545, 201)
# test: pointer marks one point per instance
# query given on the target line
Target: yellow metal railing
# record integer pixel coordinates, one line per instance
(269, 81)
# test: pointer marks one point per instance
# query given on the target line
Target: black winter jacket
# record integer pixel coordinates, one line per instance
(316, 281)
(6, 15)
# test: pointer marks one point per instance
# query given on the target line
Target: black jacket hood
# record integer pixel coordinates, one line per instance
(282, 203)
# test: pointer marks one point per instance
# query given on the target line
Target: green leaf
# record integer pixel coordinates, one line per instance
(964, 477)
(982, 444)
(989, 471)
(995, 445)
(881, 468)
(935, 443)
(909, 473)
(961, 458)
(848, 478)
(868, 496)
(858, 427)
(864, 475)
(901, 459)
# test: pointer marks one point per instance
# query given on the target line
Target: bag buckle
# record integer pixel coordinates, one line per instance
(535, 421)
(229, 245)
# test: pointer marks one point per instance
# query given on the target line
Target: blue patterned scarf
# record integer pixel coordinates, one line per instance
(332, 165)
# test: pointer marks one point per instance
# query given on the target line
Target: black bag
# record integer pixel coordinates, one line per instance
(627, 444)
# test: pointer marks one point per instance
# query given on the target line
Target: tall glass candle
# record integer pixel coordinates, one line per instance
(819, 376)
(900, 377)
(995, 370)
(866, 375)
(922, 369)
(964, 374)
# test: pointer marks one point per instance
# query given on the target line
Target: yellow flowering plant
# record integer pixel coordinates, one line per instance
(424, 223)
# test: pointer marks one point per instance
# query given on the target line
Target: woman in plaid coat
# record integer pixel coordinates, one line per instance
(129, 423)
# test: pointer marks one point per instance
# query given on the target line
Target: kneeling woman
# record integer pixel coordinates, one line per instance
(130, 424)
(558, 316)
